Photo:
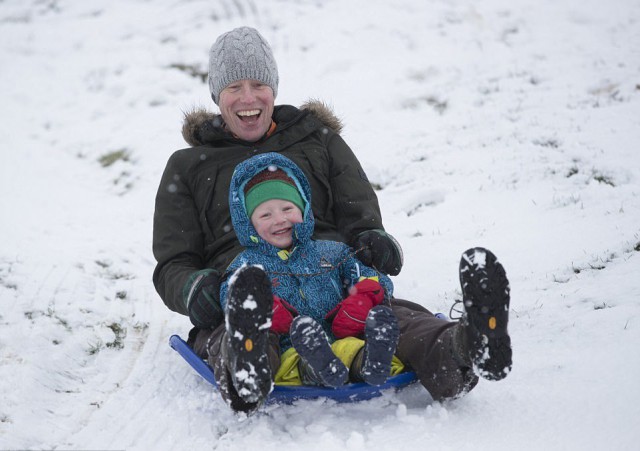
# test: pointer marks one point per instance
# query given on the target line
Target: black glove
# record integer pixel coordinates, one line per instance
(203, 299)
(381, 251)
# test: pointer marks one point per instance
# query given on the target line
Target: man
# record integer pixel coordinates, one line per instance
(194, 242)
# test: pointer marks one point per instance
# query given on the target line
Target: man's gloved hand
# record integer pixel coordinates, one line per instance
(283, 314)
(350, 315)
(202, 293)
(381, 251)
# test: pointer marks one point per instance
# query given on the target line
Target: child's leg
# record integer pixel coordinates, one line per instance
(346, 349)
(372, 362)
(207, 343)
(350, 351)
(381, 333)
(248, 317)
(318, 364)
(288, 372)
(244, 354)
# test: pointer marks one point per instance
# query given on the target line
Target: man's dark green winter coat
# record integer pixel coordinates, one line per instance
(192, 224)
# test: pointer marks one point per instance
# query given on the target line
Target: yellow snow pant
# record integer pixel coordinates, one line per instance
(345, 349)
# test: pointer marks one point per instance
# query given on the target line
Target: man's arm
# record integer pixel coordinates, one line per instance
(178, 243)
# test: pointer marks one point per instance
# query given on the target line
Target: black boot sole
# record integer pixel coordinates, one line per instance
(381, 339)
(310, 341)
(248, 319)
(485, 294)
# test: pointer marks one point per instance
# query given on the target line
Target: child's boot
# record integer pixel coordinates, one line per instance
(372, 364)
(248, 318)
(318, 364)
(482, 339)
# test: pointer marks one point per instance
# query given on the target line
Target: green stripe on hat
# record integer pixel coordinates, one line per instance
(272, 189)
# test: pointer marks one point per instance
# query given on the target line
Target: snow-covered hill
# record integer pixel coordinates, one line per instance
(512, 125)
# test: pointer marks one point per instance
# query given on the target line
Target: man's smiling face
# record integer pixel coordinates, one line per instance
(246, 107)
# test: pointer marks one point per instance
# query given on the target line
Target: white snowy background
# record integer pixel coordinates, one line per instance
(509, 124)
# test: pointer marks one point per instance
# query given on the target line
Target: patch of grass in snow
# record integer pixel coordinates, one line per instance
(95, 347)
(601, 178)
(606, 94)
(110, 158)
(120, 333)
(124, 180)
(572, 171)
(140, 326)
(63, 322)
(103, 263)
(552, 143)
(112, 274)
(418, 208)
(5, 273)
(565, 201)
(30, 314)
(192, 70)
(8, 285)
(438, 105)
(50, 313)
(596, 175)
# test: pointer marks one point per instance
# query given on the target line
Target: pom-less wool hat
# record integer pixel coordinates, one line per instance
(272, 183)
(241, 54)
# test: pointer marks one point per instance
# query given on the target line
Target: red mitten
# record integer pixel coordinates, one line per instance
(349, 316)
(283, 314)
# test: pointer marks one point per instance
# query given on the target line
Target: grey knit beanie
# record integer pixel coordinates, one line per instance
(241, 54)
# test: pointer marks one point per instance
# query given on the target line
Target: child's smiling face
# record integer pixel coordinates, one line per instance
(274, 220)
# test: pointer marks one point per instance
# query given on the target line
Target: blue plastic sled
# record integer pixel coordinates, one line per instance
(287, 394)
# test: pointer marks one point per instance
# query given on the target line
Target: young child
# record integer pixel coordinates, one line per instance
(321, 292)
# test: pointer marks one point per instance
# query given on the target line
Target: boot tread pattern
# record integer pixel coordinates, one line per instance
(248, 318)
(381, 339)
(486, 297)
(311, 343)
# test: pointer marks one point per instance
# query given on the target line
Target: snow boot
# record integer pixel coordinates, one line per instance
(318, 364)
(372, 364)
(248, 319)
(482, 338)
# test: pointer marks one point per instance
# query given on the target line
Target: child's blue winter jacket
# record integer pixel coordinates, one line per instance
(315, 275)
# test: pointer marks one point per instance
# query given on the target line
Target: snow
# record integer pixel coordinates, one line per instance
(249, 303)
(512, 125)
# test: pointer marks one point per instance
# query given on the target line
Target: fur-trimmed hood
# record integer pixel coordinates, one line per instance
(202, 126)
